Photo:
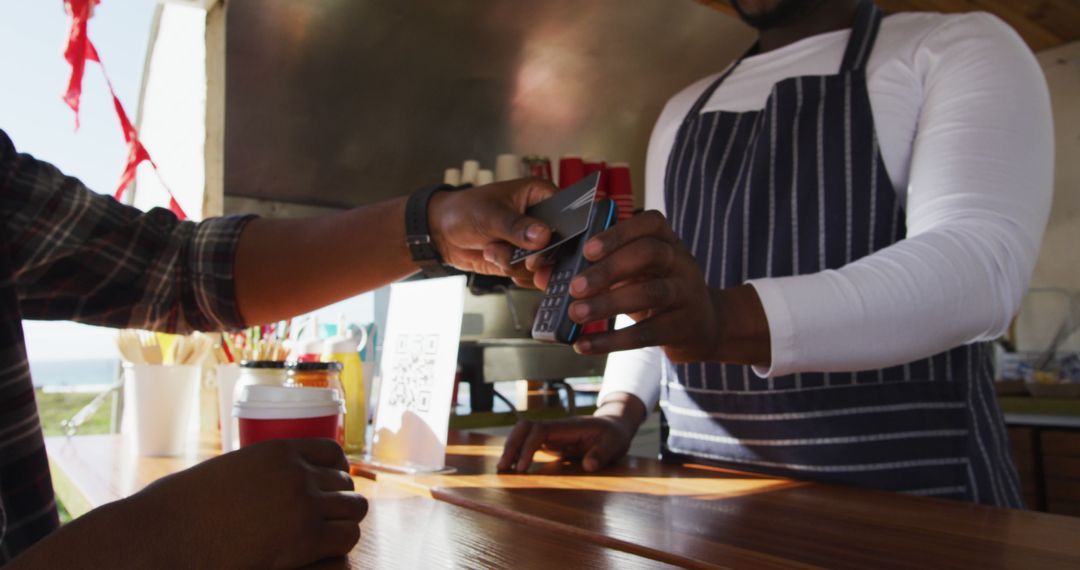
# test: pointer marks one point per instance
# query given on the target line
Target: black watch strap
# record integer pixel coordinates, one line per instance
(418, 233)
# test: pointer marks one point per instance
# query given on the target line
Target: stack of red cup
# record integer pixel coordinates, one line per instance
(602, 186)
(571, 170)
(620, 190)
(601, 193)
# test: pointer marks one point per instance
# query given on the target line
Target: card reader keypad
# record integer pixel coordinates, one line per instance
(554, 302)
(552, 322)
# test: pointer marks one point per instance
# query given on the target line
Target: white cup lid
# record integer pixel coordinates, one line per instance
(269, 402)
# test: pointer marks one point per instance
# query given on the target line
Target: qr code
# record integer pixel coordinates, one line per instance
(413, 375)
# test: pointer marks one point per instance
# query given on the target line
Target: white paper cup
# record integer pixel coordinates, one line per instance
(227, 375)
(507, 167)
(161, 399)
(469, 170)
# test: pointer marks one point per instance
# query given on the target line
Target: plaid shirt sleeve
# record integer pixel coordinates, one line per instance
(78, 255)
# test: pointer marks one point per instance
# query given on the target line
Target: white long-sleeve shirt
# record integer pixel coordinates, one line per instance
(962, 114)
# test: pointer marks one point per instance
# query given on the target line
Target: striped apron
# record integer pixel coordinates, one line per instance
(800, 187)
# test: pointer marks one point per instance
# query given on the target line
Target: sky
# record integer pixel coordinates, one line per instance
(34, 77)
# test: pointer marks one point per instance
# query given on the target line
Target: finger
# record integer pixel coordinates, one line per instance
(343, 506)
(645, 257)
(508, 222)
(542, 277)
(513, 445)
(537, 191)
(336, 538)
(536, 262)
(532, 444)
(522, 274)
(474, 262)
(566, 450)
(659, 330)
(322, 453)
(599, 456)
(651, 295)
(499, 253)
(651, 224)
(333, 480)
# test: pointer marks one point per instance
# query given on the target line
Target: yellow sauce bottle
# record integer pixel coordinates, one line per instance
(343, 349)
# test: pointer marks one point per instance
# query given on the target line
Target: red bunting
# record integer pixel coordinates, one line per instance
(78, 51)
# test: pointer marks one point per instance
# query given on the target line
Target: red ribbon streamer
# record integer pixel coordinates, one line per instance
(79, 50)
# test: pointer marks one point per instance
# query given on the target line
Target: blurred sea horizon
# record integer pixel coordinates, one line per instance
(74, 375)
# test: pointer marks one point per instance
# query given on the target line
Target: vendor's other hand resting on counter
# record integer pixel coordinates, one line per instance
(841, 221)
(69, 253)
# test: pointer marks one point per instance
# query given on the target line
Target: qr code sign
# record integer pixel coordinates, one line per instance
(413, 375)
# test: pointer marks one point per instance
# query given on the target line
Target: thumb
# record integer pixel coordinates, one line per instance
(511, 224)
(598, 457)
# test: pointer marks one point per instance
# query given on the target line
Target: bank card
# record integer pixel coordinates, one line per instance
(567, 213)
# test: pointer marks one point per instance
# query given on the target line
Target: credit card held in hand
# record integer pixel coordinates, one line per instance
(566, 213)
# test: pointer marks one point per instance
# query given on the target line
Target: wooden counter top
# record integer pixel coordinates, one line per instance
(404, 528)
(705, 517)
(641, 513)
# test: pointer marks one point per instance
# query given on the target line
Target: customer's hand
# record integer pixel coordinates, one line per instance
(276, 504)
(597, 441)
(473, 228)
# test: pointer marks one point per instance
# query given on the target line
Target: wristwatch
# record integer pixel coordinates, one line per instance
(418, 233)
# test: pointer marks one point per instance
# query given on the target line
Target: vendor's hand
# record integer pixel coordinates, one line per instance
(276, 504)
(641, 268)
(473, 229)
(597, 441)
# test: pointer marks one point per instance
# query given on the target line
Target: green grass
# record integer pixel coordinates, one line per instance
(55, 407)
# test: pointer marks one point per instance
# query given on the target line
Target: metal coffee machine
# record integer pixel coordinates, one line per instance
(496, 345)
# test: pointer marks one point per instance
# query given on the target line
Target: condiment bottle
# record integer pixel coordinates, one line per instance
(318, 375)
(343, 349)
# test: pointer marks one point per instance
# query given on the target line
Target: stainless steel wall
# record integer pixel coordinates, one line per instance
(344, 102)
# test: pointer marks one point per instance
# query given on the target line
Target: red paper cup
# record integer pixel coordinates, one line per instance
(595, 327)
(285, 412)
(620, 189)
(571, 170)
(602, 186)
(537, 166)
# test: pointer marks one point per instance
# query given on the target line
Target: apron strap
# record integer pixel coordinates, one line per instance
(863, 35)
(708, 93)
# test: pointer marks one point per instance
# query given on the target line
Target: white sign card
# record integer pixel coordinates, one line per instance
(419, 361)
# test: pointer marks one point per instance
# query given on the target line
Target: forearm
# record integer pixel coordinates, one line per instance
(919, 297)
(286, 267)
(624, 407)
(116, 535)
(744, 328)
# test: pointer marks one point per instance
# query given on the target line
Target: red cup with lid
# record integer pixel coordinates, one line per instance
(284, 412)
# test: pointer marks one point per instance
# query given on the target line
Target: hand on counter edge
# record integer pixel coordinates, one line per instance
(598, 441)
(477, 229)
